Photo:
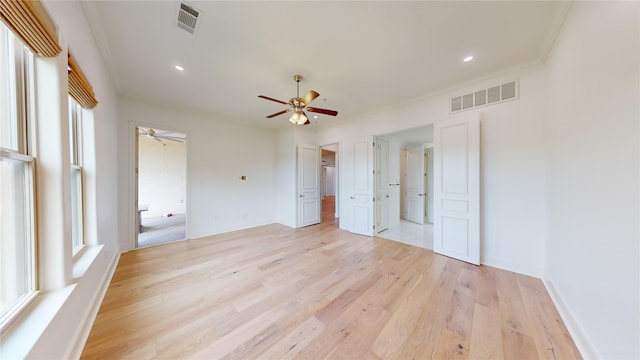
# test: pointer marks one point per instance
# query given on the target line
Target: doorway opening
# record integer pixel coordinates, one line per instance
(409, 188)
(161, 183)
(329, 184)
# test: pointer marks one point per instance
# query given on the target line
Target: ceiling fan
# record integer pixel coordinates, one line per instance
(298, 105)
(150, 133)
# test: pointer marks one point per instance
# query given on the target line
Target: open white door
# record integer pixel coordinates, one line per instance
(382, 185)
(308, 185)
(457, 188)
(414, 194)
(361, 203)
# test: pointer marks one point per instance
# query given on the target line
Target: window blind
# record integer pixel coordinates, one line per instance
(79, 87)
(31, 23)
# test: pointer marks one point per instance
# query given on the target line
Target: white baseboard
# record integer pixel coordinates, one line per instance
(512, 266)
(85, 329)
(579, 336)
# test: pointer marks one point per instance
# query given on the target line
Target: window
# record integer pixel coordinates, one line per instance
(17, 239)
(75, 147)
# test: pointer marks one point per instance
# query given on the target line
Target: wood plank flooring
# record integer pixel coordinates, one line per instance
(319, 292)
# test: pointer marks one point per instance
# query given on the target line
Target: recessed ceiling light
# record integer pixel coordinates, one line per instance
(179, 68)
(468, 58)
(315, 116)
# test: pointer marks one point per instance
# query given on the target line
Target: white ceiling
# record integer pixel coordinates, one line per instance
(360, 56)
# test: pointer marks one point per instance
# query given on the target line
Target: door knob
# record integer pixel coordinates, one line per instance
(387, 195)
(352, 198)
(301, 195)
(419, 194)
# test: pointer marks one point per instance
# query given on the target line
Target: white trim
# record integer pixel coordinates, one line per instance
(8, 154)
(83, 331)
(577, 332)
(15, 310)
(509, 265)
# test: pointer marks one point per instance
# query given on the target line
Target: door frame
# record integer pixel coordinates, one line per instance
(132, 203)
(337, 175)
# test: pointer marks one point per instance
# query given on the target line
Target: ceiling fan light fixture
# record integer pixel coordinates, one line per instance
(299, 104)
(298, 118)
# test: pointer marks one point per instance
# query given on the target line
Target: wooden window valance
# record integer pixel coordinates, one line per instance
(32, 24)
(79, 87)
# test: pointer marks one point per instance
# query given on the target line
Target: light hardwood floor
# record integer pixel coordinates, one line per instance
(319, 292)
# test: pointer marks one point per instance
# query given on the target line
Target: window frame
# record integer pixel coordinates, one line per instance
(76, 157)
(24, 83)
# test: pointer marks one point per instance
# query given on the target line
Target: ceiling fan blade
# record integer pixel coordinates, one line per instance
(311, 95)
(323, 111)
(272, 99)
(307, 122)
(278, 113)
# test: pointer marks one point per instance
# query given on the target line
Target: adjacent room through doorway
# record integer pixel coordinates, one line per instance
(329, 182)
(410, 158)
(161, 186)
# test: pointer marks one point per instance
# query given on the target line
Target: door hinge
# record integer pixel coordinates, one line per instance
(374, 227)
(374, 199)
(374, 144)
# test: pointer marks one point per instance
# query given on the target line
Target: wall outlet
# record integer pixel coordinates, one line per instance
(243, 177)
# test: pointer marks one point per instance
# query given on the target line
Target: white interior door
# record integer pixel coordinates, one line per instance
(360, 152)
(308, 185)
(394, 184)
(382, 185)
(457, 188)
(414, 194)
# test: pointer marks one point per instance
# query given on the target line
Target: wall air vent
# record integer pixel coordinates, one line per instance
(188, 18)
(483, 97)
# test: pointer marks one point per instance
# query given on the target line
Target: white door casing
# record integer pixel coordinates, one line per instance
(414, 193)
(361, 205)
(382, 185)
(457, 188)
(309, 200)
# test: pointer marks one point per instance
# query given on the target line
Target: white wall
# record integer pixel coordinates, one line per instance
(286, 177)
(219, 153)
(162, 176)
(512, 158)
(592, 178)
(57, 324)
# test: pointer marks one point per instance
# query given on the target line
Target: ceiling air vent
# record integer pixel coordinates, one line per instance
(482, 97)
(188, 18)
